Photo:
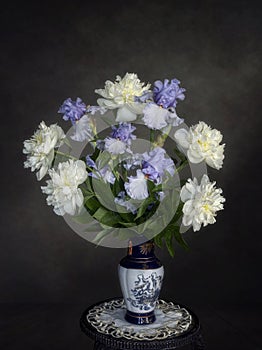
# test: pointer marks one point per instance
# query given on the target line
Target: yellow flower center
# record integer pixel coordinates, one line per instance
(128, 94)
(206, 207)
(204, 144)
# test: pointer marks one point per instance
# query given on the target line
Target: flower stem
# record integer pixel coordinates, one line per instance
(152, 137)
(182, 166)
(65, 155)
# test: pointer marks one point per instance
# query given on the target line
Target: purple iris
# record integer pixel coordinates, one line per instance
(72, 110)
(100, 144)
(105, 172)
(93, 109)
(123, 132)
(149, 171)
(90, 162)
(155, 164)
(167, 93)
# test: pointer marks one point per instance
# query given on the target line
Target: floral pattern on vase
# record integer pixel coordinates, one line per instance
(146, 291)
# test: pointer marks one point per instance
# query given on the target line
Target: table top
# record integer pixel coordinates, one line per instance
(175, 325)
(41, 325)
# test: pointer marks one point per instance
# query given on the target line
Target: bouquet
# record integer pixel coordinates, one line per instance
(119, 172)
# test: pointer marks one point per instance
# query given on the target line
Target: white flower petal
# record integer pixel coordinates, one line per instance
(136, 188)
(115, 146)
(124, 114)
(194, 157)
(136, 107)
(123, 93)
(181, 137)
(40, 148)
(155, 117)
(202, 143)
(62, 188)
(83, 130)
(109, 104)
(202, 201)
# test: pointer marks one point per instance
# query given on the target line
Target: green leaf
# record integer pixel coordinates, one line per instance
(169, 243)
(158, 240)
(179, 238)
(95, 154)
(178, 213)
(150, 186)
(100, 213)
(157, 188)
(117, 187)
(143, 206)
(180, 155)
(128, 224)
(127, 217)
(103, 159)
(87, 197)
(125, 233)
(101, 235)
(106, 217)
(104, 193)
(86, 187)
(92, 204)
(83, 219)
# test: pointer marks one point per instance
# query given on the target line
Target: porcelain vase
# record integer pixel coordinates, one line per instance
(141, 276)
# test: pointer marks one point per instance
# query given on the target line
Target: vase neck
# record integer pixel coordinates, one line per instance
(144, 250)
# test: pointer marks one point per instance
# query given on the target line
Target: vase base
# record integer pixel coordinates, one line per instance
(140, 319)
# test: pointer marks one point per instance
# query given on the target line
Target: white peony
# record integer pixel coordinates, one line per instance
(40, 148)
(202, 201)
(121, 95)
(202, 144)
(136, 188)
(62, 189)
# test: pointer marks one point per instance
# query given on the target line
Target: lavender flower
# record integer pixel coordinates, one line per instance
(155, 164)
(136, 187)
(72, 110)
(93, 109)
(83, 129)
(166, 94)
(121, 200)
(115, 146)
(149, 171)
(123, 132)
(134, 162)
(90, 162)
(100, 144)
(104, 173)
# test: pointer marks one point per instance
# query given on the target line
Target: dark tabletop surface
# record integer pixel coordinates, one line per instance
(56, 326)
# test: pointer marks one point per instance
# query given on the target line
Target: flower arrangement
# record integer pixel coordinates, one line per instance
(121, 188)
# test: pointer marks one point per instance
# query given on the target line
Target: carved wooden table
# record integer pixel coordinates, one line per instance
(175, 326)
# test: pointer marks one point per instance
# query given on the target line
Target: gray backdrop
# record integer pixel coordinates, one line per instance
(51, 52)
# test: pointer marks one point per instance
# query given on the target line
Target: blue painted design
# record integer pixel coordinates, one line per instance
(146, 291)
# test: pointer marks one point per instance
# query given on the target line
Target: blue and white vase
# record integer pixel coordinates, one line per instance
(141, 276)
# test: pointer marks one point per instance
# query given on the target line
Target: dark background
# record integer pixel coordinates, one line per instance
(51, 51)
